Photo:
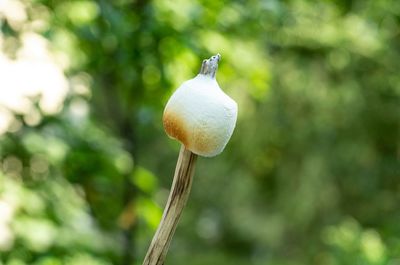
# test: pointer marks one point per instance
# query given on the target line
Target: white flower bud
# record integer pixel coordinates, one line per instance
(199, 114)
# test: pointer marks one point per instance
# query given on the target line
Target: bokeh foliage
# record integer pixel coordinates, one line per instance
(311, 175)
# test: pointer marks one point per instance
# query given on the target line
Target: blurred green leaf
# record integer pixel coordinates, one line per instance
(144, 180)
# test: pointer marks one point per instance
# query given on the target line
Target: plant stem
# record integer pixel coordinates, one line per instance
(176, 202)
(209, 66)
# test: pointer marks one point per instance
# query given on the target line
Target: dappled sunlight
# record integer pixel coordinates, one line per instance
(6, 216)
(33, 74)
(349, 237)
(14, 11)
(23, 216)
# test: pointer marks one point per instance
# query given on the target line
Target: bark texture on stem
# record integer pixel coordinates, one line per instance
(176, 202)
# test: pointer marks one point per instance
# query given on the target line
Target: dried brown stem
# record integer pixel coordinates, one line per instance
(176, 202)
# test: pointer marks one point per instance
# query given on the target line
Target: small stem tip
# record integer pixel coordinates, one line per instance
(209, 66)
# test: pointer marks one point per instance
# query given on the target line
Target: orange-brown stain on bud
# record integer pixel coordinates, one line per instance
(198, 140)
(175, 127)
(203, 142)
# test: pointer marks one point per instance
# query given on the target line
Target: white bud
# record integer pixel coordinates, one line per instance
(199, 114)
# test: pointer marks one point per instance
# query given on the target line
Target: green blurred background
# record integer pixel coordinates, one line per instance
(310, 176)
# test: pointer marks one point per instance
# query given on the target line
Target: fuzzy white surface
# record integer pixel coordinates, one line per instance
(209, 115)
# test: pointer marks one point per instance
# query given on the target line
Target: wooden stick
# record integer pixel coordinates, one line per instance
(176, 202)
